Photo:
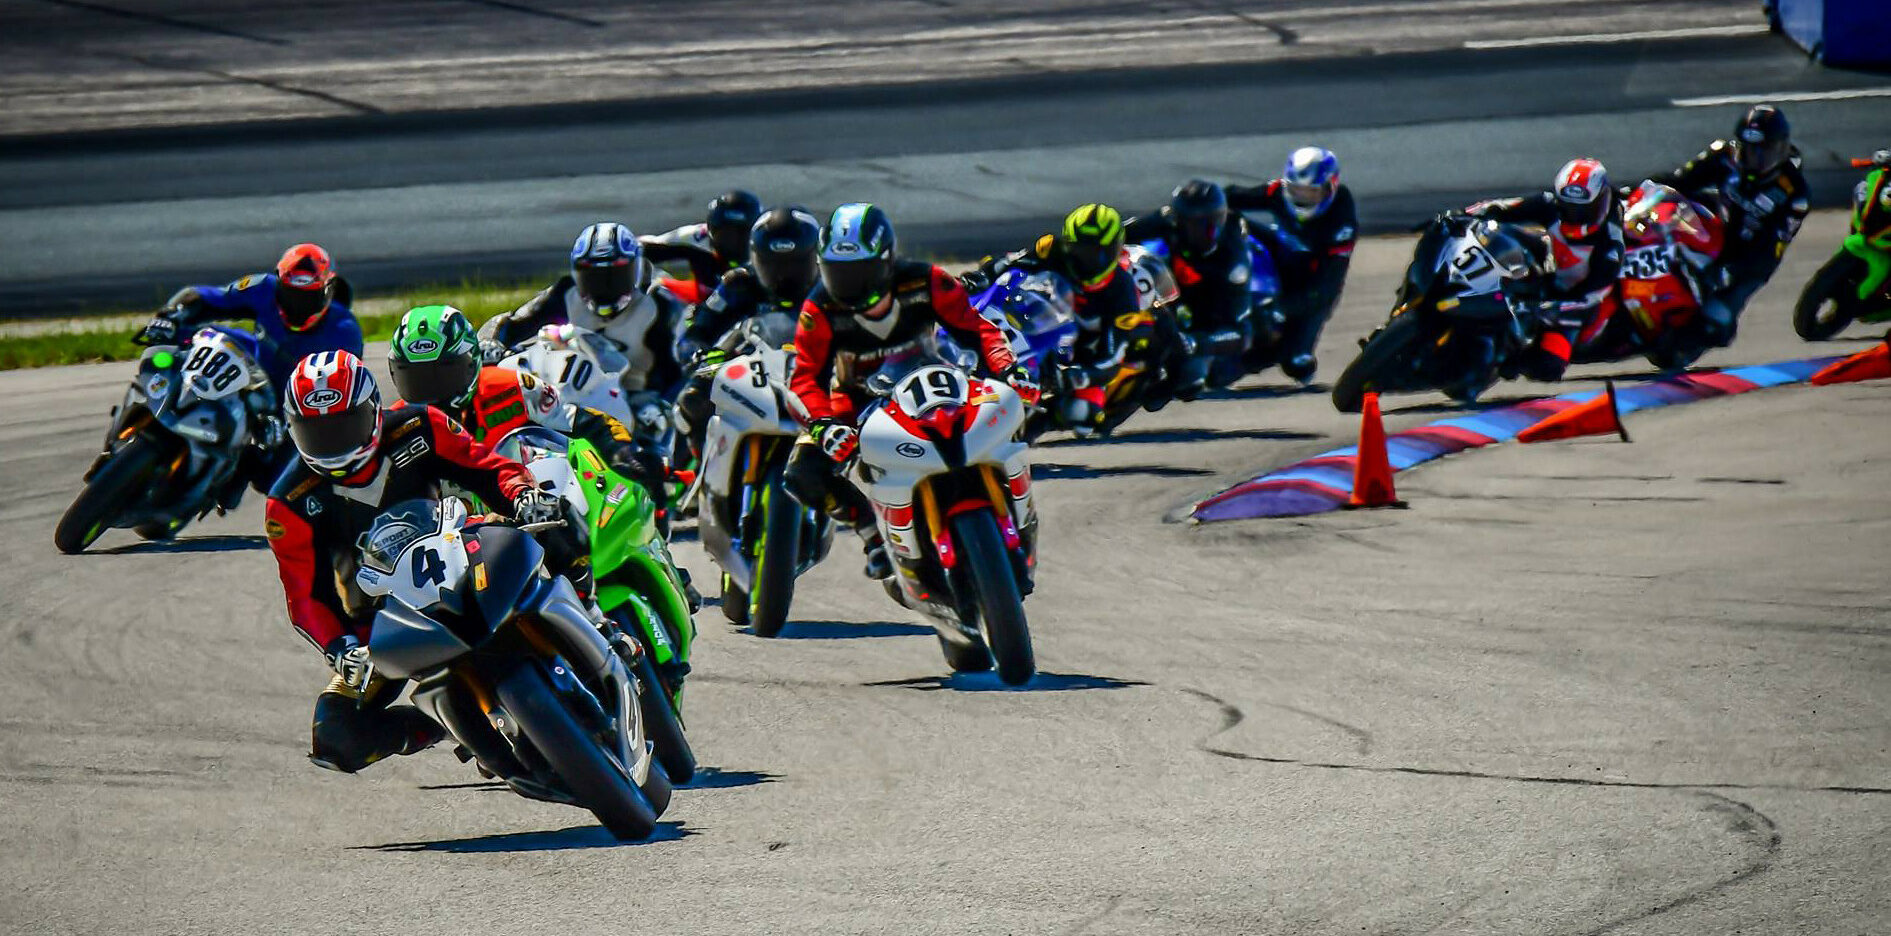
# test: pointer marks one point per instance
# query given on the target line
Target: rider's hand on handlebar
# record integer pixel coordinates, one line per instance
(349, 659)
(835, 437)
(162, 329)
(1020, 379)
(491, 351)
(536, 506)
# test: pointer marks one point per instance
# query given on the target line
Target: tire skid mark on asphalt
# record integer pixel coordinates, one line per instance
(1743, 819)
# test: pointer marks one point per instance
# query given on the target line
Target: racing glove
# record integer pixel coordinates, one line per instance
(348, 657)
(536, 506)
(162, 329)
(491, 351)
(1020, 379)
(836, 437)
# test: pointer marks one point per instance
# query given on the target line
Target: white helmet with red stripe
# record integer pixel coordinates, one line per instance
(1583, 196)
(334, 412)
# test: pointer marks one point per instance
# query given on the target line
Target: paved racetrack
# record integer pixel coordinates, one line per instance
(1580, 687)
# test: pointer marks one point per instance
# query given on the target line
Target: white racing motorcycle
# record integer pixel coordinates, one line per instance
(586, 369)
(950, 486)
(762, 538)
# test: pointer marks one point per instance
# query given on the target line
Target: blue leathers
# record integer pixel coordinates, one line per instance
(254, 297)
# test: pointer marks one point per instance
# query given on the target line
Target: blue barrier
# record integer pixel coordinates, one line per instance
(1843, 33)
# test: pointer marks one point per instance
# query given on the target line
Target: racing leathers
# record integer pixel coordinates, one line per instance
(1218, 326)
(1762, 215)
(1588, 264)
(712, 329)
(1311, 258)
(254, 297)
(836, 350)
(1109, 330)
(312, 522)
(691, 245)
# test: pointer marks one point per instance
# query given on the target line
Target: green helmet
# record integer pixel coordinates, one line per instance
(1092, 240)
(435, 356)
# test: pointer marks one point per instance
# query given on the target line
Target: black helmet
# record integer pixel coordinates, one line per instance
(1761, 141)
(783, 247)
(857, 256)
(1200, 210)
(731, 215)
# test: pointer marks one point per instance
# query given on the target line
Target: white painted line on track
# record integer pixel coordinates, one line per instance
(1758, 29)
(1781, 96)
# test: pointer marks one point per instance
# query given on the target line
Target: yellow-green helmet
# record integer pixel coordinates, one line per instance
(1092, 240)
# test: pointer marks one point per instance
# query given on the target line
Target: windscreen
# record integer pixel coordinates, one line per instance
(397, 527)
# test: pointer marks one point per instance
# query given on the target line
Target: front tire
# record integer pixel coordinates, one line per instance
(593, 776)
(1000, 606)
(1829, 301)
(117, 484)
(777, 562)
(1380, 353)
(662, 725)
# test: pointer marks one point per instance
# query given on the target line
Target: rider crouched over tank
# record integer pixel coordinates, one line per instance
(1207, 247)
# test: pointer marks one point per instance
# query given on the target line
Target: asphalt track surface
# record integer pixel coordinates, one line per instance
(1577, 688)
(966, 163)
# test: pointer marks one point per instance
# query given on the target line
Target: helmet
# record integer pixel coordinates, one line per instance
(334, 412)
(1583, 196)
(435, 356)
(1310, 180)
(1761, 141)
(731, 215)
(609, 267)
(1200, 210)
(857, 256)
(305, 284)
(783, 247)
(1092, 241)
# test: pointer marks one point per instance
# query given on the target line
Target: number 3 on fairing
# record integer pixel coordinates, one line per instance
(929, 388)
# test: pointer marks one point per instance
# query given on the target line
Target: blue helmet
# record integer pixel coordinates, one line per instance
(1311, 179)
(857, 256)
(608, 265)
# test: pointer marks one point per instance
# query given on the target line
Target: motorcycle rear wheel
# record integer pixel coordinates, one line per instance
(588, 772)
(778, 562)
(117, 484)
(1379, 354)
(1830, 300)
(1000, 606)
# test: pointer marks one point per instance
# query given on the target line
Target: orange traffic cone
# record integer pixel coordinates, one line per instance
(1595, 417)
(1865, 365)
(1372, 471)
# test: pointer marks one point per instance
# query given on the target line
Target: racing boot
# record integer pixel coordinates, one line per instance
(879, 563)
(1300, 368)
(690, 594)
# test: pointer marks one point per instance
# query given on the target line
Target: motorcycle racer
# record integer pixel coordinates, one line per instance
(300, 308)
(1306, 220)
(870, 308)
(1208, 255)
(1583, 219)
(1754, 181)
(356, 458)
(713, 246)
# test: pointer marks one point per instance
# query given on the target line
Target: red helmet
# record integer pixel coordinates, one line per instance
(334, 411)
(1583, 196)
(305, 285)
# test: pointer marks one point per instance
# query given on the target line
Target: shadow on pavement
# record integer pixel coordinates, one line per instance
(1268, 392)
(1182, 435)
(847, 630)
(1043, 470)
(715, 778)
(988, 682)
(585, 836)
(195, 544)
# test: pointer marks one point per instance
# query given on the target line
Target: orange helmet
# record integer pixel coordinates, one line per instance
(305, 285)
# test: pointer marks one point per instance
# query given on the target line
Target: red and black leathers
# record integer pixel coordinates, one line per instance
(1311, 257)
(836, 349)
(1588, 263)
(312, 521)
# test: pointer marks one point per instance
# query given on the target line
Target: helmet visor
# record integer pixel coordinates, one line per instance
(730, 242)
(1762, 157)
(1583, 214)
(857, 284)
(1091, 264)
(301, 307)
(1198, 232)
(439, 383)
(787, 276)
(604, 285)
(335, 436)
(1306, 197)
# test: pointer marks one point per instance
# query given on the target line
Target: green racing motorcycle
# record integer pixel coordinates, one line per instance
(636, 582)
(1855, 285)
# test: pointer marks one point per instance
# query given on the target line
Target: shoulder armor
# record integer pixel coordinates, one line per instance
(1042, 249)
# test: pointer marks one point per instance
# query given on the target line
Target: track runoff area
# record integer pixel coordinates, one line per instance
(1581, 686)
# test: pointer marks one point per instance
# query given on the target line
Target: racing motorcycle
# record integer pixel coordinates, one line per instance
(503, 655)
(1034, 313)
(1455, 323)
(636, 582)
(950, 485)
(762, 538)
(1263, 310)
(1655, 308)
(175, 442)
(1855, 285)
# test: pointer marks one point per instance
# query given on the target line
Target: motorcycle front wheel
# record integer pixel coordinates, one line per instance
(595, 777)
(1000, 606)
(1830, 299)
(779, 559)
(116, 485)
(1380, 353)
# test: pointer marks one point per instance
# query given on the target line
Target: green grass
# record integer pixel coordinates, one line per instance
(378, 315)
